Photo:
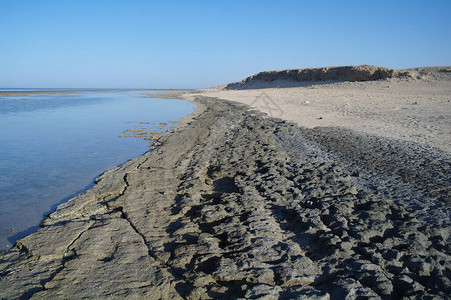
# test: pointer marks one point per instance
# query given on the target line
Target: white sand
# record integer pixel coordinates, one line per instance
(411, 110)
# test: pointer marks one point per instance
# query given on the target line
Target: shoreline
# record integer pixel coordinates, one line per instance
(13, 92)
(7, 94)
(19, 220)
(233, 203)
(31, 93)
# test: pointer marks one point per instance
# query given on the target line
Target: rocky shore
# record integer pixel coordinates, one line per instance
(233, 204)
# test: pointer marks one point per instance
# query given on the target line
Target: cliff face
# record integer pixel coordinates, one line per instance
(346, 73)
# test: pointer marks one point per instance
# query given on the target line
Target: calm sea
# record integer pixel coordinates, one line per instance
(53, 146)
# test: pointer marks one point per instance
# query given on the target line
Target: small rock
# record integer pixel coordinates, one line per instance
(263, 291)
(346, 246)
(70, 254)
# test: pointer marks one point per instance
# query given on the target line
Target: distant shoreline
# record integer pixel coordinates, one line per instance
(76, 91)
(30, 93)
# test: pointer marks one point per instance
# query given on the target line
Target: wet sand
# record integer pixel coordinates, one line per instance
(235, 204)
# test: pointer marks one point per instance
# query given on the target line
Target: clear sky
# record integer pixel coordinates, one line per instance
(195, 44)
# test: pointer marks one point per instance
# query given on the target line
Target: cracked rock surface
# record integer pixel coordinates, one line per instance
(234, 205)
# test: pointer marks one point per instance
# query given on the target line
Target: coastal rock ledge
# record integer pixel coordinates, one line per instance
(234, 205)
(343, 73)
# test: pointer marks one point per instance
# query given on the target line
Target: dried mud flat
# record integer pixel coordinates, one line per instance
(237, 205)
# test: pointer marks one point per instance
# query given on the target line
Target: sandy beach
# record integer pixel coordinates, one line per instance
(410, 109)
(275, 187)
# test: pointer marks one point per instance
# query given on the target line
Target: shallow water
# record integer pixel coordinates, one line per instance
(55, 145)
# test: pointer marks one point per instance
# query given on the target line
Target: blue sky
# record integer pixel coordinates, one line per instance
(195, 44)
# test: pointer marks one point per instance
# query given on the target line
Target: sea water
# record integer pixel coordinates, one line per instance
(53, 146)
